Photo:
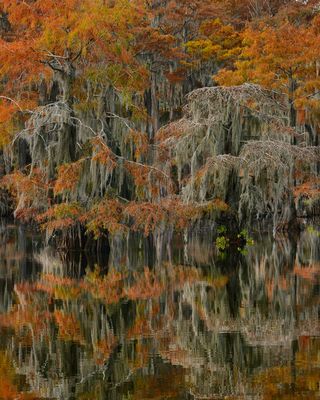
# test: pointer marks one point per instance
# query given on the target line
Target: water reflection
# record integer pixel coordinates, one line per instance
(159, 321)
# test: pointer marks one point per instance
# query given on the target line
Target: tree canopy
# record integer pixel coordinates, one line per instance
(118, 114)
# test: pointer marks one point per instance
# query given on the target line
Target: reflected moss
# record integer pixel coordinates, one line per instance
(178, 330)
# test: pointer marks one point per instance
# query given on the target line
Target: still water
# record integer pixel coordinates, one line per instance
(175, 321)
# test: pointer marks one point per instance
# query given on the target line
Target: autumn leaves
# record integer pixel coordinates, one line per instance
(88, 86)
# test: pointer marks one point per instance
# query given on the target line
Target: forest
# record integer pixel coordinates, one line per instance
(159, 199)
(159, 115)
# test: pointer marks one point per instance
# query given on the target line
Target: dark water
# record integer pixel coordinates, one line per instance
(169, 322)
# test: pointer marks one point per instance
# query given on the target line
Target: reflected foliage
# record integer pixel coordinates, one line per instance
(187, 324)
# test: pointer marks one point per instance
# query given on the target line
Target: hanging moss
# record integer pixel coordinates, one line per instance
(238, 136)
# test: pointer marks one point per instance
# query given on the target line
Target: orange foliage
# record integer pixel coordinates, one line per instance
(103, 349)
(217, 42)
(310, 188)
(62, 216)
(147, 216)
(103, 154)
(69, 328)
(146, 286)
(275, 57)
(311, 272)
(105, 216)
(68, 176)
(43, 39)
(58, 287)
(30, 317)
(88, 46)
(170, 212)
(108, 288)
(139, 142)
(30, 192)
(141, 328)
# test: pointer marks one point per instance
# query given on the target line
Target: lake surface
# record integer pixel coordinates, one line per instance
(173, 321)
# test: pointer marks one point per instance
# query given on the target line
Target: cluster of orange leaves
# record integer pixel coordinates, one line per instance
(104, 348)
(108, 288)
(69, 327)
(103, 154)
(61, 216)
(139, 143)
(107, 215)
(57, 287)
(68, 176)
(29, 190)
(170, 212)
(310, 188)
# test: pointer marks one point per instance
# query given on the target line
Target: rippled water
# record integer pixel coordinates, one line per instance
(160, 322)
